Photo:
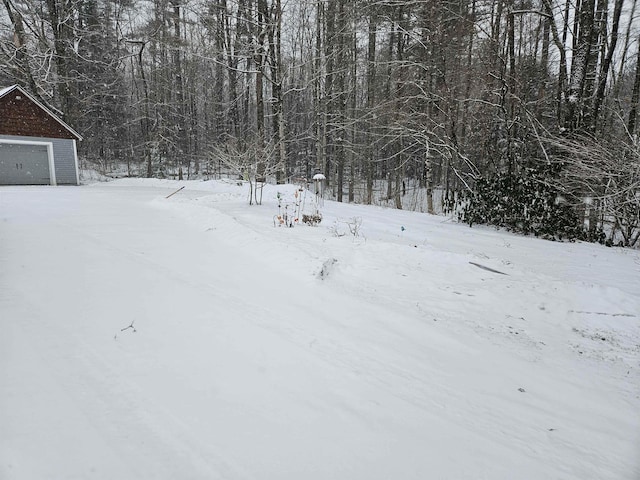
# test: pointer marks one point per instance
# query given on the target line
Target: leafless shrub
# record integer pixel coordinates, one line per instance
(601, 178)
(352, 226)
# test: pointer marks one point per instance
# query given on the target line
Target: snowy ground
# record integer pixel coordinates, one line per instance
(262, 352)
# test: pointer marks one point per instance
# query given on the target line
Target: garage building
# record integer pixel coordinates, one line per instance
(36, 146)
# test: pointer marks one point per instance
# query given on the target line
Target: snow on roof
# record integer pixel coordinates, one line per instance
(5, 90)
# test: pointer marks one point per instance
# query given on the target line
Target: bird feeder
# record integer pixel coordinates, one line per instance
(318, 184)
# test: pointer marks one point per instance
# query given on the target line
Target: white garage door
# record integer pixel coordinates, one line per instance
(23, 164)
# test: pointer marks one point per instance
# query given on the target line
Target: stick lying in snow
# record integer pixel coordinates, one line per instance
(487, 268)
(174, 192)
(129, 327)
(604, 313)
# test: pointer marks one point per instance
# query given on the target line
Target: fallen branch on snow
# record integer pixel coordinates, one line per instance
(129, 327)
(487, 268)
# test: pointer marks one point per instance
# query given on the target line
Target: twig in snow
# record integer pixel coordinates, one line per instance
(129, 327)
(171, 194)
(487, 268)
(603, 313)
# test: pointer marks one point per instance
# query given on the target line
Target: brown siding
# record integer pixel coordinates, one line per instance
(23, 117)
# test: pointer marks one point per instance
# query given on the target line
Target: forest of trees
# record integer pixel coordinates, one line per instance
(519, 113)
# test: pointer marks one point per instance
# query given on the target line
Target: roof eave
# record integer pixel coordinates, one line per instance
(10, 89)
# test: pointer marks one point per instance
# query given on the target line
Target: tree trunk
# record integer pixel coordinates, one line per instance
(274, 34)
(61, 17)
(21, 55)
(604, 71)
(635, 99)
(429, 180)
(544, 66)
(563, 71)
(371, 92)
(259, 60)
(575, 101)
(319, 103)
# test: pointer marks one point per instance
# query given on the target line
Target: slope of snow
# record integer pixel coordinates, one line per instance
(189, 337)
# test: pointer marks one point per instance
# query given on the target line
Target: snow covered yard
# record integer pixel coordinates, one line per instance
(189, 338)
